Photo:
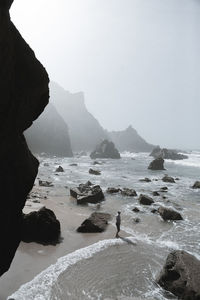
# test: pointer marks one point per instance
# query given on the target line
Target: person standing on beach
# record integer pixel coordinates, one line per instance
(118, 223)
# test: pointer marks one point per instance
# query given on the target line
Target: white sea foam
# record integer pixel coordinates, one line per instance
(193, 160)
(40, 287)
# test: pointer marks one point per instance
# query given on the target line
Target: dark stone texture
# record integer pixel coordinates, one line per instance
(87, 193)
(94, 172)
(167, 154)
(24, 94)
(169, 214)
(167, 178)
(145, 180)
(129, 192)
(41, 227)
(196, 185)
(113, 190)
(105, 150)
(145, 200)
(60, 169)
(157, 164)
(136, 210)
(181, 275)
(97, 222)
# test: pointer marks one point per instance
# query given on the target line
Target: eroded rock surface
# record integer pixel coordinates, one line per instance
(97, 222)
(181, 275)
(24, 94)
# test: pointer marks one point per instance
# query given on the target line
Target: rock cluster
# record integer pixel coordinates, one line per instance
(24, 95)
(167, 154)
(87, 193)
(105, 150)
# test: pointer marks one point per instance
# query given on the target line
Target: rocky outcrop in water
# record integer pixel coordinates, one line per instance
(94, 172)
(87, 193)
(49, 134)
(169, 214)
(157, 164)
(97, 222)
(130, 140)
(167, 154)
(145, 200)
(41, 227)
(24, 95)
(167, 178)
(196, 185)
(181, 275)
(105, 149)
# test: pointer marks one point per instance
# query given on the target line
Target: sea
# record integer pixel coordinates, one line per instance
(124, 268)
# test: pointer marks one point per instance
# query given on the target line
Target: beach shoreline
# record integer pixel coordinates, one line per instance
(32, 258)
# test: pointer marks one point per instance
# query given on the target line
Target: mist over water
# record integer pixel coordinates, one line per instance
(137, 61)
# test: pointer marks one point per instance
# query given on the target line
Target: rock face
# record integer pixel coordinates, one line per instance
(157, 164)
(84, 130)
(105, 150)
(169, 214)
(167, 178)
(128, 192)
(113, 190)
(130, 140)
(41, 227)
(24, 95)
(196, 185)
(167, 154)
(145, 200)
(87, 193)
(49, 134)
(97, 222)
(94, 172)
(181, 275)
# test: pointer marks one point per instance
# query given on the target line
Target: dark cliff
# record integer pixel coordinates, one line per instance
(84, 130)
(24, 94)
(130, 140)
(49, 134)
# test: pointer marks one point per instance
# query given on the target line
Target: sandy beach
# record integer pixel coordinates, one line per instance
(32, 258)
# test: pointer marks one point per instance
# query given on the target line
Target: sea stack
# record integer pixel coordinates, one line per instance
(105, 149)
(24, 95)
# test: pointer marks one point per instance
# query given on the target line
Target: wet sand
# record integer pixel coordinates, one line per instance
(32, 258)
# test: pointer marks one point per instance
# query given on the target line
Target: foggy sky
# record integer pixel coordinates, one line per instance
(137, 61)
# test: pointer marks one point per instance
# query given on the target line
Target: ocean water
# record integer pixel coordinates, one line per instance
(124, 268)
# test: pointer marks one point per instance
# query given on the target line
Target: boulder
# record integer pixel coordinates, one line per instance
(155, 193)
(164, 189)
(73, 165)
(169, 214)
(196, 185)
(167, 178)
(167, 154)
(145, 200)
(45, 183)
(24, 95)
(181, 275)
(145, 180)
(94, 172)
(157, 164)
(97, 163)
(113, 190)
(41, 227)
(87, 193)
(60, 169)
(128, 192)
(135, 209)
(97, 222)
(105, 150)
(136, 220)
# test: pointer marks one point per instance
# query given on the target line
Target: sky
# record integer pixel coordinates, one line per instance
(137, 61)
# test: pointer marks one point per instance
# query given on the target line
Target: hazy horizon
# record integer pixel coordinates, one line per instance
(137, 61)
